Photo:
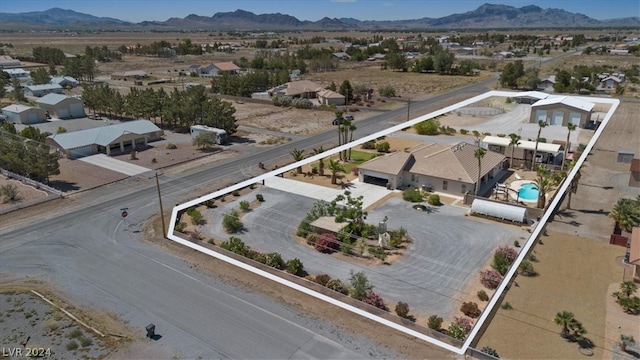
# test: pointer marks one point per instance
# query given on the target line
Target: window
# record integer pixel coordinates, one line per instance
(415, 178)
(463, 188)
(445, 184)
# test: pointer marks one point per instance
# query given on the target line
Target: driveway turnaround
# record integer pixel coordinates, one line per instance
(371, 193)
(112, 164)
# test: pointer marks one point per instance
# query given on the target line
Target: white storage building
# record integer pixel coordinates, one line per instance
(500, 211)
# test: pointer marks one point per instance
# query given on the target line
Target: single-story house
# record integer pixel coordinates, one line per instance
(297, 89)
(561, 110)
(547, 153)
(341, 56)
(634, 176)
(17, 73)
(437, 167)
(131, 74)
(328, 97)
(64, 81)
(22, 114)
(61, 106)
(610, 83)
(43, 89)
(217, 69)
(120, 138)
(547, 83)
(7, 61)
(529, 97)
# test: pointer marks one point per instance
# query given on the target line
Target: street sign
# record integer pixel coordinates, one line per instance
(124, 212)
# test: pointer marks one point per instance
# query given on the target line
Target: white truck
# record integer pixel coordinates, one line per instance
(221, 135)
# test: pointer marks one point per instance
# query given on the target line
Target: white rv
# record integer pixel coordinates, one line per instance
(221, 135)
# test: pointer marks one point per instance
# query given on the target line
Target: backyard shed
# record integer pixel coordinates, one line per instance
(500, 211)
(22, 114)
(61, 106)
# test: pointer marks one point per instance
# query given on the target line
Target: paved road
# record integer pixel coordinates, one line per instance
(81, 248)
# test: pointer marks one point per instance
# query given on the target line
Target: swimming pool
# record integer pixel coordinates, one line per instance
(528, 191)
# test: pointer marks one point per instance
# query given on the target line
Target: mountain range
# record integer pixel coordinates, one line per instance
(487, 16)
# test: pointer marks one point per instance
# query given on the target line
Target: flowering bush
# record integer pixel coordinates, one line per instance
(490, 279)
(464, 323)
(509, 253)
(327, 243)
(374, 299)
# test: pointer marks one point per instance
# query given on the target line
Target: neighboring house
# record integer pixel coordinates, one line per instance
(547, 153)
(119, 138)
(43, 89)
(22, 114)
(64, 81)
(438, 167)
(8, 62)
(561, 110)
(341, 56)
(217, 69)
(375, 57)
(297, 89)
(547, 83)
(61, 106)
(634, 253)
(634, 176)
(530, 97)
(131, 74)
(328, 97)
(609, 83)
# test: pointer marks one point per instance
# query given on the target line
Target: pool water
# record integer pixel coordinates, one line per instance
(528, 191)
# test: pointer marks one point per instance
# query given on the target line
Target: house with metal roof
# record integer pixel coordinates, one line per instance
(561, 110)
(546, 154)
(62, 106)
(108, 139)
(7, 61)
(297, 89)
(130, 74)
(64, 81)
(43, 89)
(22, 114)
(529, 97)
(437, 167)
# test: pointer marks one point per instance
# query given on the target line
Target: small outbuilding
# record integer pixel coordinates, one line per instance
(562, 110)
(22, 114)
(328, 97)
(500, 211)
(61, 106)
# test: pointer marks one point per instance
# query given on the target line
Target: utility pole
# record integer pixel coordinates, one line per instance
(408, 109)
(164, 229)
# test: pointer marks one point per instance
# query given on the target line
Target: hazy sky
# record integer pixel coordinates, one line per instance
(140, 10)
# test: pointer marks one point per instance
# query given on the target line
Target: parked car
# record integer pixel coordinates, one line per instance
(94, 117)
(336, 121)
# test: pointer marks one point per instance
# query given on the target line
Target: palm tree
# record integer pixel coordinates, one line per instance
(564, 319)
(541, 124)
(317, 151)
(479, 154)
(340, 120)
(297, 155)
(546, 183)
(515, 141)
(573, 188)
(570, 128)
(351, 129)
(626, 215)
(335, 167)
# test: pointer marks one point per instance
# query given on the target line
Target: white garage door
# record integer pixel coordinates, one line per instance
(77, 110)
(557, 117)
(32, 118)
(63, 113)
(541, 115)
(574, 118)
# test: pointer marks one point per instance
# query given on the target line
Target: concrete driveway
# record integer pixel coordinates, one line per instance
(112, 164)
(370, 193)
(447, 251)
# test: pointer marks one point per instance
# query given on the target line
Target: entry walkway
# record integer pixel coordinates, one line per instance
(371, 193)
(112, 164)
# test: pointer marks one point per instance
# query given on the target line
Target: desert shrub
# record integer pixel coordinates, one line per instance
(427, 127)
(327, 243)
(542, 140)
(311, 238)
(51, 325)
(507, 306)
(412, 195)
(476, 133)
(464, 131)
(369, 145)
(235, 193)
(488, 350)
(464, 323)
(490, 279)
(360, 285)
(510, 253)
(338, 286)
(456, 331)
(500, 263)
(516, 243)
(231, 222)
(244, 205)
(397, 237)
(383, 147)
(526, 268)
(295, 267)
(260, 197)
(434, 199)
(75, 333)
(378, 252)
(132, 155)
(171, 146)
(374, 299)
(470, 309)
(257, 256)
(280, 100)
(301, 103)
(387, 91)
(434, 322)
(196, 216)
(180, 226)
(71, 345)
(85, 342)
(209, 203)
(501, 135)
(402, 310)
(153, 161)
(10, 193)
(236, 245)
(486, 133)
(532, 258)
(323, 279)
(274, 260)
(482, 295)
(508, 100)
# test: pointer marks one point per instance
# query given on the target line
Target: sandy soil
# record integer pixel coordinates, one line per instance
(26, 193)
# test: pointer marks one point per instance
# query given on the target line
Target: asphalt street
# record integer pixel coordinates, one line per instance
(82, 248)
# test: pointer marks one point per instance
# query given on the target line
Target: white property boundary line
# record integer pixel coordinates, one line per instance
(494, 299)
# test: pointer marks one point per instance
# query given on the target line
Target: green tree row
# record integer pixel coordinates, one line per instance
(29, 157)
